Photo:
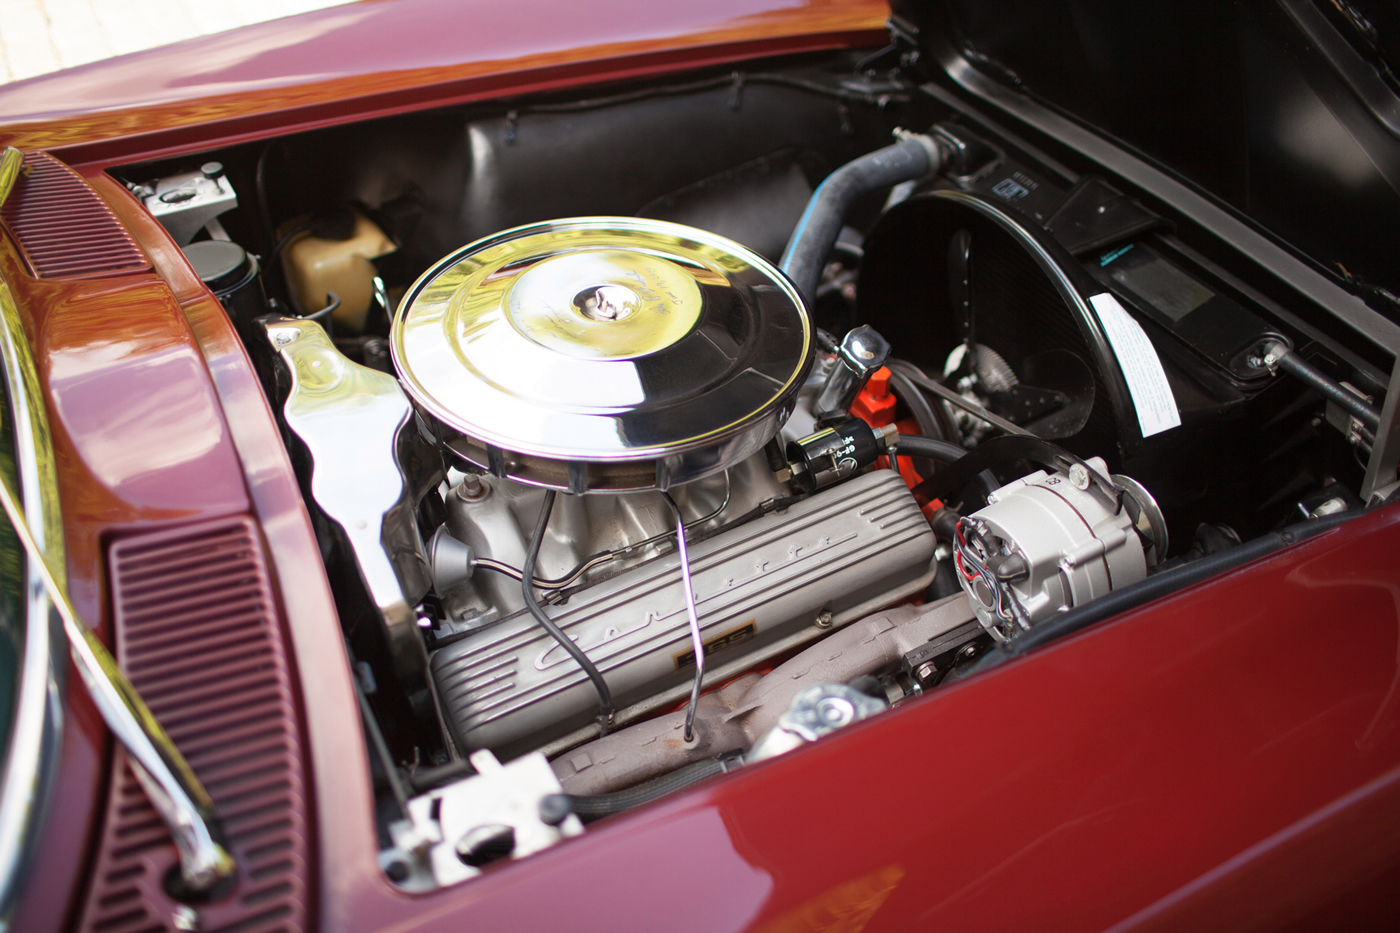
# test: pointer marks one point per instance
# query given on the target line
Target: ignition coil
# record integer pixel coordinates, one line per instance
(835, 453)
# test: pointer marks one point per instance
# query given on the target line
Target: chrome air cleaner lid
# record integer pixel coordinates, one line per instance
(603, 353)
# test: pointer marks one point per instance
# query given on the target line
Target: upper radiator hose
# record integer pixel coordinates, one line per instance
(915, 156)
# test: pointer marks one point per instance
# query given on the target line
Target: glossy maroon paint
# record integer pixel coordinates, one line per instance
(55, 885)
(140, 441)
(137, 430)
(198, 635)
(321, 670)
(382, 56)
(1226, 758)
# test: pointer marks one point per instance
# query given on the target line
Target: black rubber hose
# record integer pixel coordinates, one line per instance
(912, 445)
(992, 452)
(590, 807)
(945, 452)
(1155, 587)
(821, 223)
(1301, 369)
(605, 703)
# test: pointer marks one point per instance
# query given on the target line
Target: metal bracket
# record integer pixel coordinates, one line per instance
(1385, 452)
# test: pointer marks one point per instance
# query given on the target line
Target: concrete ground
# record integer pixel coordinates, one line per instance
(39, 36)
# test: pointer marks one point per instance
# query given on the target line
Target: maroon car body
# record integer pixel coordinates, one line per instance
(1224, 757)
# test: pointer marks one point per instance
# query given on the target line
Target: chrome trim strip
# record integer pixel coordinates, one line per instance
(32, 759)
(1256, 247)
(11, 164)
(167, 778)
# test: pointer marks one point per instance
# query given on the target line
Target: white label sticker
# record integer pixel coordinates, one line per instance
(1142, 369)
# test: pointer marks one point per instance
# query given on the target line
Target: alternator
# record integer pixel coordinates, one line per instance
(1048, 542)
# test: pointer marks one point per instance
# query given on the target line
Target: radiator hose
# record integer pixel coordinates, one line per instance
(913, 157)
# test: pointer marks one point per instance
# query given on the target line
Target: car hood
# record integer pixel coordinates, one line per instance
(350, 61)
(1285, 110)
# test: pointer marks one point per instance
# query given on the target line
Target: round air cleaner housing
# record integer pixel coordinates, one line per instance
(603, 353)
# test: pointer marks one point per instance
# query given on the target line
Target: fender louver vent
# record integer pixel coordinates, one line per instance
(64, 230)
(197, 634)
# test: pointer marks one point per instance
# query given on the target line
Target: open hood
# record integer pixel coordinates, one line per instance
(1286, 110)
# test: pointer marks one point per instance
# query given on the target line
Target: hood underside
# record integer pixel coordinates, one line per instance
(1286, 110)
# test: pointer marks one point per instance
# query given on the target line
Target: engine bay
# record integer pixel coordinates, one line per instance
(654, 431)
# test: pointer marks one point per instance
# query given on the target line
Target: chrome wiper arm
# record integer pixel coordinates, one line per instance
(11, 164)
(167, 778)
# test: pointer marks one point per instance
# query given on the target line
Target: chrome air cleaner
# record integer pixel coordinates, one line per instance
(603, 353)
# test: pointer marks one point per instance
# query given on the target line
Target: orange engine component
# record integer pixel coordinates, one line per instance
(875, 406)
(875, 403)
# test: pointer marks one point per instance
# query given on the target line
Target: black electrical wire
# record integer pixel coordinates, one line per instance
(694, 617)
(381, 748)
(602, 557)
(323, 317)
(260, 190)
(605, 703)
(590, 807)
(287, 238)
(993, 451)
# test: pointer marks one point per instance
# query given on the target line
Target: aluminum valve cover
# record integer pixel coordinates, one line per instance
(511, 688)
(603, 353)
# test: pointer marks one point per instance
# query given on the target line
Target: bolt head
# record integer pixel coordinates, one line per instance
(835, 711)
(472, 489)
(1079, 476)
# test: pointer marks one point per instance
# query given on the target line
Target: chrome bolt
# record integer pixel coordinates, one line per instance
(835, 711)
(823, 619)
(185, 918)
(1079, 476)
(926, 671)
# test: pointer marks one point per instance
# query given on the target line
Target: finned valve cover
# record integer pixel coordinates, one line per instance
(603, 353)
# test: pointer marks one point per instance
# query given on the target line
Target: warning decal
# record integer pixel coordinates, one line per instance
(1142, 368)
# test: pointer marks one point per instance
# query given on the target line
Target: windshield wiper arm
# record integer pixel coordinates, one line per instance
(11, 165)
(167, 778)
